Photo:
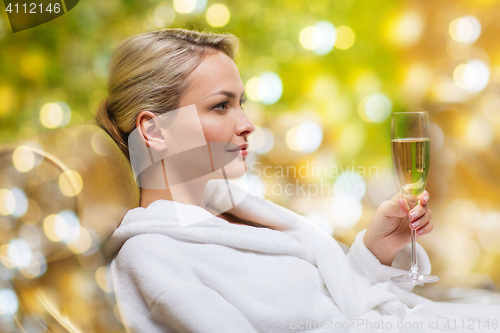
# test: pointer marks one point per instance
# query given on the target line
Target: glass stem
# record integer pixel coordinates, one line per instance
(414, 267)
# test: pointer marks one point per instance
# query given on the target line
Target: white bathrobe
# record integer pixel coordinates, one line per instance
(287, 276)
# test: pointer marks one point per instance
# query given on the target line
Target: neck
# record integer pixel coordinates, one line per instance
(149, 196)
(188, 192)
(190, 195)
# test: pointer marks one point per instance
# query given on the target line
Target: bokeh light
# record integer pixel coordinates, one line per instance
(267, 88)
(72, 225)
(272, 82)
(319, 38)
(70, 183)
(489, 233)
(375, 108)
(81, 244)
(8, 302)
(261, 141)
(348, 183)
(200, 6)
(310, 38)
(19, 253)
(164, 15)
(490, 106)
(465, 29)
(7, 202)
(345, 38)
(103, 279)
(55, 227)
(21, 205)
(54, 115)
(472, 76)
(184, 6)
(218, 15)
(479, 133)
(305, 138)
(23, 159)
(446, 90)
(406, 29)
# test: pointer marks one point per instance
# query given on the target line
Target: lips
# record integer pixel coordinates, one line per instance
(242, 147)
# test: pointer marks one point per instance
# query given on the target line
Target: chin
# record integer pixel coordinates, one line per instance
(236, 169)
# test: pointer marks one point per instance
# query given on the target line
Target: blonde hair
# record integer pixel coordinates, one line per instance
(148, 71)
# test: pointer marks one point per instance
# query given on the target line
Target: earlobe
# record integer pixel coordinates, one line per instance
(153, 134)
(156, 139)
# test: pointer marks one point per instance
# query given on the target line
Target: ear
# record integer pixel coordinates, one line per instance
(151, 131)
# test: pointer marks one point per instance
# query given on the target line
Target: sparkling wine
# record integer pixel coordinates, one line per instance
(411, 158)
(411, 150)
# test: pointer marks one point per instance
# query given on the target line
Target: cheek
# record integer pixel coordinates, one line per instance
(217, 129)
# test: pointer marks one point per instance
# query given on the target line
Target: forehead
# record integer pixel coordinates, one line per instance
(216, 72)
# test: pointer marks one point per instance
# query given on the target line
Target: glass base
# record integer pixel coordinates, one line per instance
(415, 278)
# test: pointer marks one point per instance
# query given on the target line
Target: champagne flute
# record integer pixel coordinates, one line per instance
(411, 148)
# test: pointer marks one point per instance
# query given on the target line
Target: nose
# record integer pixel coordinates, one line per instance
(244, 126)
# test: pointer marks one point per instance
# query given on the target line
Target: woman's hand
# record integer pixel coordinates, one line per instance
(389, 230)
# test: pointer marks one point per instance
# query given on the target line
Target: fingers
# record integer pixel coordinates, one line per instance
(421, 216)
(427, 228)
(424, 198)
(419, 210)
(398, 206)
(421, 221)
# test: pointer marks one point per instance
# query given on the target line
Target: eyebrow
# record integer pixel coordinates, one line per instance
(224, 92)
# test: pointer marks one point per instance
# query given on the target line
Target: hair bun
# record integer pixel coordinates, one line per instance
(108, 123)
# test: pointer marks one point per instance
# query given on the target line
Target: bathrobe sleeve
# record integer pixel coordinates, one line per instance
(364, 263)
(157, 291)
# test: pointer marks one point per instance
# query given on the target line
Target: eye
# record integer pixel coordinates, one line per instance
(243, 101)
(221, 106)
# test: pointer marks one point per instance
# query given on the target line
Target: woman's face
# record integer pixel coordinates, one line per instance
(217, 92)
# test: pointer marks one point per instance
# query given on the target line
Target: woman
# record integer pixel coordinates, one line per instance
(200, 254)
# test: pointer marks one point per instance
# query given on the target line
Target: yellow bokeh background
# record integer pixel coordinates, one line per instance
(322, 79)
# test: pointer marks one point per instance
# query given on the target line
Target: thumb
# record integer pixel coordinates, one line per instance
(396, 207)
(403, 207)
(392, 209)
